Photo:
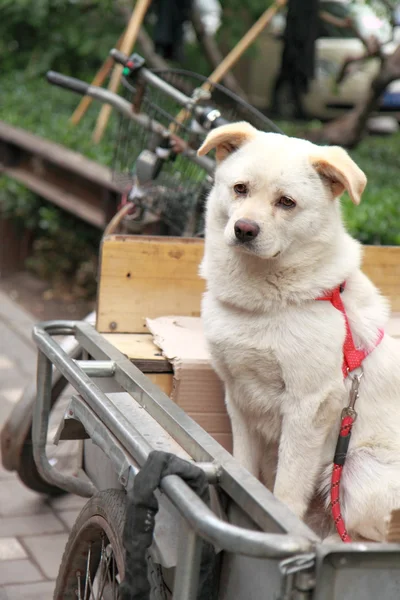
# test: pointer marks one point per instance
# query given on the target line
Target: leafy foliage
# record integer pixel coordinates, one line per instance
(377, 219)
(67, 35)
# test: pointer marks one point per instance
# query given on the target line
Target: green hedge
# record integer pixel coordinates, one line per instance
(376, 220)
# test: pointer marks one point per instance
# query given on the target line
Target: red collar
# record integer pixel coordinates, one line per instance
(352, 356)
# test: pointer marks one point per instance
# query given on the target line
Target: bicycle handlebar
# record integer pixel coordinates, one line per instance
(69, 83)
(125, 108)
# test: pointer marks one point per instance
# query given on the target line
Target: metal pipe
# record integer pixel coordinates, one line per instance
(165, 87)
(97, 368)
(200, 517)
(230, 537)
(186, 580)
(39, 434)
(95, 398)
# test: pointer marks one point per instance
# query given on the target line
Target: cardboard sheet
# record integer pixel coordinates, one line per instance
(197, 389)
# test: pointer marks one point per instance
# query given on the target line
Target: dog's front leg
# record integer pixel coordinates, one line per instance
(301, 447)
(246, 446)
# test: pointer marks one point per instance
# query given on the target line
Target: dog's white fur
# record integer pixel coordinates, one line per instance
(278, 351)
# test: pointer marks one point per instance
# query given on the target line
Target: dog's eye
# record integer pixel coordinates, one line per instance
(240, 189)
(286, 202)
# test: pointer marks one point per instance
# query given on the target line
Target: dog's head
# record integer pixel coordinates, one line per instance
(273, 192)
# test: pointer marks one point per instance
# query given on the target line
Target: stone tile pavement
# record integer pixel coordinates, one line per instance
(33, 528)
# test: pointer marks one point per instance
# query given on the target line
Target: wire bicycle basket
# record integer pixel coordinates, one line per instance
(164, 185)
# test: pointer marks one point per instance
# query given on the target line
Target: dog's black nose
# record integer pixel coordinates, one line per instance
(246, 230)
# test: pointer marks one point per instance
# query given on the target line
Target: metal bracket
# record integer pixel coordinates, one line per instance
(297, 577)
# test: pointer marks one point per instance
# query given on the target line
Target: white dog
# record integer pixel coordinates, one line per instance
(275, 244)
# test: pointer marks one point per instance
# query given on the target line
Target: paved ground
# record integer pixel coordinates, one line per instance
(33, 528)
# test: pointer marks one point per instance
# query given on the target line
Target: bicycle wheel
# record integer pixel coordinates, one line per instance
(93, 565)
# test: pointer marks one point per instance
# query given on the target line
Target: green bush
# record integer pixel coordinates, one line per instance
(72, 36)
(376, 220)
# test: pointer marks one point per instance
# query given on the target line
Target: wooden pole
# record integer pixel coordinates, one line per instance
(233, 56)
(127, 44)
(246, 41)
(99, 79)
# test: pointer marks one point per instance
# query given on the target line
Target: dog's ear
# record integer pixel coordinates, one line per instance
(340, 171)
(226, 139)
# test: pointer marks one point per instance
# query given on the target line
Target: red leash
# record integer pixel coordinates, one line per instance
(352, 361)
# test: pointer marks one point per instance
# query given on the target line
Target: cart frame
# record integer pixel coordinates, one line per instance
(310, 568)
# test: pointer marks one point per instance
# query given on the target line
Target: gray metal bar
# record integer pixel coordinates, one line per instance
(199, 516)
(254, 498)
(165, 87)
(97, 368)
(39, 434)
(103, 438)
(96, 399)
(230, 537)
(186, 580)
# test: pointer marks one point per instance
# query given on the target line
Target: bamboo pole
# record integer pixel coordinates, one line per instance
(233, 56)
(98, 80)
(127, 44)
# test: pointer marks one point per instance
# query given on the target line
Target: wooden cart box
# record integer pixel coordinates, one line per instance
(144, 277)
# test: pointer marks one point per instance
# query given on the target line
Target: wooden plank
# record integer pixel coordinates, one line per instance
(382, 265)
(58, 196)
(147, 277)
(141, 350)
(135, 345)
(58, 154)
(150, 277)
(165, 381)
(15, 247)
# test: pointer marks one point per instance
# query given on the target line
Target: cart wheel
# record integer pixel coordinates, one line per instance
(30, 476)
(66, 456)
(93, 565)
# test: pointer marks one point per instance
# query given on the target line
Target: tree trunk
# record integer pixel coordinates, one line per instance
(213, 53)
(349, 129)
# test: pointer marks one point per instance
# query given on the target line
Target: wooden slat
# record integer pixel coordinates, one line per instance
(382, 265)
(53, 193)
(150, 277)
(165, 381)
(143, 277)
(141, 350)
(57, 154)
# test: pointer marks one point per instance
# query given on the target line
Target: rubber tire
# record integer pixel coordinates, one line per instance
(108, 506)
(27, 470)
(29, 474)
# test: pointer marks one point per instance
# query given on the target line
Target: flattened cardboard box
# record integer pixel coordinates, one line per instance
(197, 389)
